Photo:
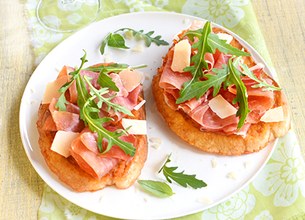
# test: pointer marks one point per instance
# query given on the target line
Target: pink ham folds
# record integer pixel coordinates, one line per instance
(81, 143)
(206, 111)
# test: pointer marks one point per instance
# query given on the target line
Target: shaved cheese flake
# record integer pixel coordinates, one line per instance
(222, 107)
(273, 115)
(52, 89)
(138, 106)
(182, 56)
(135, 126)
(131, 79)
(62, 142)
(227, 37)
(257, 67)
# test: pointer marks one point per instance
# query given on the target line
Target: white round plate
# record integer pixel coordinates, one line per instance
(133, 203)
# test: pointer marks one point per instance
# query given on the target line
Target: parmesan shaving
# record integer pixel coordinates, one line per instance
(221, 107)
(227, 37)
(138, 106)
(182, 56)
(273, 115)
(134, 126)
(62, 142)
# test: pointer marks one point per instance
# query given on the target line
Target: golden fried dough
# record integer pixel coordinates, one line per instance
(258, 136)
(67, 170)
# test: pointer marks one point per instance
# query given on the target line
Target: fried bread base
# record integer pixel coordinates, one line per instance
(68, 171)
(258, 136)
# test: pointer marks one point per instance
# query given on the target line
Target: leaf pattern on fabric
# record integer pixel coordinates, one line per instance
(224, 12)
(284, 176)
(281, 183)
(235, 208)
(264, 215)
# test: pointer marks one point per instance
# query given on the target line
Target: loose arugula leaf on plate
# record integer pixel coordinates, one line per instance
(260, 82)
(116, 40)
(147, 37)
(113, 40)
(216, 43)
(156, 188)
(181, 178)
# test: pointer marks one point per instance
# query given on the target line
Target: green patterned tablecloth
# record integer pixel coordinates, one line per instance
(278, 192)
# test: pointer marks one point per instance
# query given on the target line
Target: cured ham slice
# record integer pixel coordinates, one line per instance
(65, 120)
(85, 151)
(90, 161)
(171, 79)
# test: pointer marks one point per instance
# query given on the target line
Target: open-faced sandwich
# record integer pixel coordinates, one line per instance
(214, 96)
(91, 124)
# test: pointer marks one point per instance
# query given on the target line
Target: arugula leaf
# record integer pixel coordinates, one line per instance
(89, 110)
(198, 60)
(113, 40)
(118, 41)
(95, 125)
(216, 43)
(101, 99)
(197, 89)
(61, 103)
(181, 178)
(156, 188)
(112, 67)
(147, 37)
(241, 92)
(105, 81)
(260, 83)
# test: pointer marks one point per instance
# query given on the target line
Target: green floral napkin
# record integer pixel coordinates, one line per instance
(278, 192)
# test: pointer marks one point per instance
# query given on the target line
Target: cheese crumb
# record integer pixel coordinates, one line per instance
(138, 48)
(214, 163)
(138, 106)
(232, 175)
(155, 140)
(247, 164)
(205, 200)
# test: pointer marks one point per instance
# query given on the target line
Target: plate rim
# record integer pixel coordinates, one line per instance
(24, 134)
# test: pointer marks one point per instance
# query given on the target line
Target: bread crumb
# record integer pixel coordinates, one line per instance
(147, 78)
(33, 90)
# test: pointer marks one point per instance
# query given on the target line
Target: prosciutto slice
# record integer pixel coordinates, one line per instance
(259, 101)
(85, 151)
(66, 120)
